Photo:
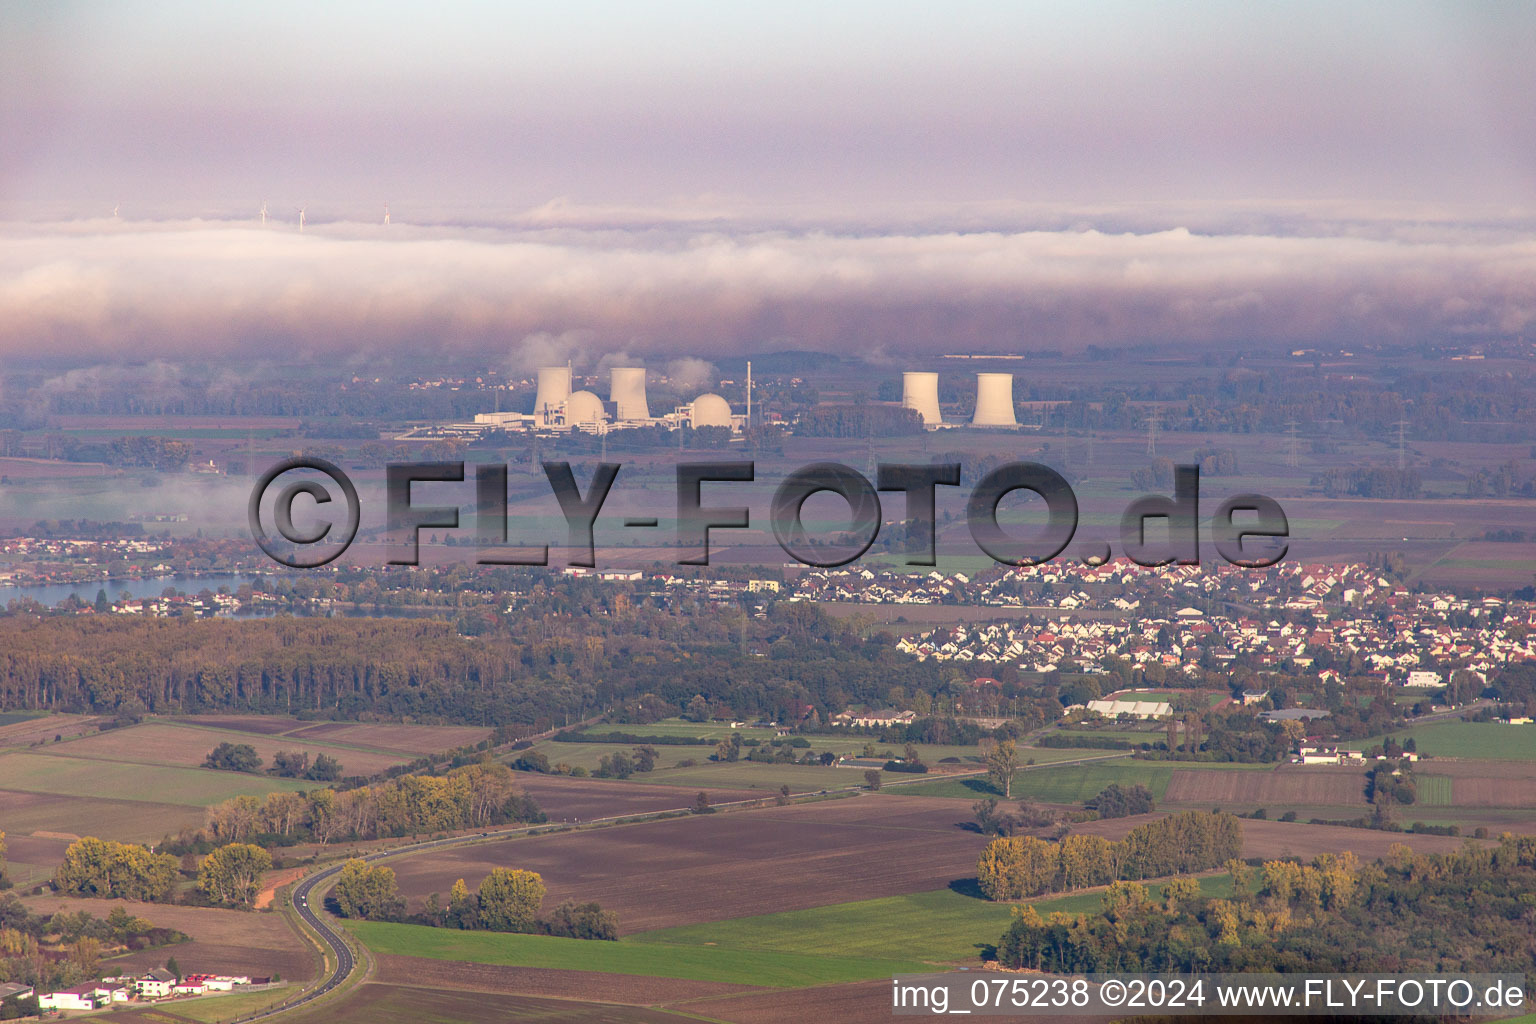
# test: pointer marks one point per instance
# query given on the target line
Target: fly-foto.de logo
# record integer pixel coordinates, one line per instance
(1249, 530)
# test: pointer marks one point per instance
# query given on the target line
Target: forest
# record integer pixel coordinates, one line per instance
(1469, 911)
(540, 670)
(1018, 867)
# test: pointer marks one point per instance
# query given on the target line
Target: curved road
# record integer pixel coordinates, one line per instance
(346, 961)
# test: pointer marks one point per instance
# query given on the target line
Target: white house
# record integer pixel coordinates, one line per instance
(86, 997)
(1422, 678)
(155, 983)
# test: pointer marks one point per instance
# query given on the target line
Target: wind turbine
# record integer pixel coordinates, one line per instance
(301, 219)
(263, 213)
(386, 215)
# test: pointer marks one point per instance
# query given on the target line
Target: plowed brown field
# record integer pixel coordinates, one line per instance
(1283, 787)
(710, 867)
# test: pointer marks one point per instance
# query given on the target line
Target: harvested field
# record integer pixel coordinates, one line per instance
(24, 813)
(1272, 839)
(711, 867)
(33, 730)
(566, 799)
(1491, 792)
(186, 746)
(1283, 787)
(18, 469)
(407, 739)
(223, 941)
(859, 1002)
(265, 725)
(78, 776)
(1516, 772)
(374, 1002)
(536, 981)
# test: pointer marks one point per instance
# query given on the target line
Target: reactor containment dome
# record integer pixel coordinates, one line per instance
(583, 409)
(710, 411)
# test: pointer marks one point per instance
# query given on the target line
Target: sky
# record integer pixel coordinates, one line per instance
(668, 175)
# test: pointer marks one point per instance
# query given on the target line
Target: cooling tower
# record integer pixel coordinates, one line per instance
(583, 409)
(626, 389)
(994, 401)
(554, 389)
(710, 411)
(920, 391)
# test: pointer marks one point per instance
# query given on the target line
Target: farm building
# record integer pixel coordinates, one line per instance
(1115, 707)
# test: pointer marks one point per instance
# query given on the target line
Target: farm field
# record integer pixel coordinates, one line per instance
(414, 740)
(693, 963)
(223, 941)
(1482, 740)
(24, 728)
(374, 1002)
(187, 745)
(211, 1009)
(560, 983)
(711, 867)
(564, 798)
(69, 776)
(1272, 839)
(1281, 788)
(1067, 784)
(1490, 792)
(762, 777)
(942, 925)
(130, 820)
(407, 739)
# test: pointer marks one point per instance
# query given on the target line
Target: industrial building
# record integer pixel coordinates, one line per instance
(559, 409)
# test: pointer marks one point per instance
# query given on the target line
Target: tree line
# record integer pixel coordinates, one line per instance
(474, 796)
(507, 900)
(1407, 913)
(1017, 867)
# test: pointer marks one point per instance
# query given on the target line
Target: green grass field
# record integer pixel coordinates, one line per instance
(215, 1009)
(1475, 739)
(114, 780)
(747, 775)
(123, 820)
(679, 727)
(1073, 783)
(1067, 784)
(775, 969)
(1434, 790)
(942, 925)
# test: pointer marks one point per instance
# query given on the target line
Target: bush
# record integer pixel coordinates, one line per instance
(581, 921)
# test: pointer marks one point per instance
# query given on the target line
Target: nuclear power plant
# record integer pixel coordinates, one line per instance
(554, 388)
(994, 401)
(559, 409)
(920, 391)
(626, 389)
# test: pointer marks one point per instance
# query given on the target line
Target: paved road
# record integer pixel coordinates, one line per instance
(315, 919)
